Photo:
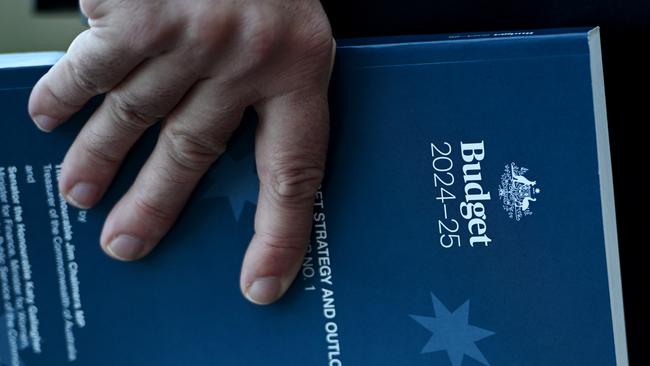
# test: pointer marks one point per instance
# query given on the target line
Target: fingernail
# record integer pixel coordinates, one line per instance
(126, 247)
(264, 290)
(45, 123)
(83, 194)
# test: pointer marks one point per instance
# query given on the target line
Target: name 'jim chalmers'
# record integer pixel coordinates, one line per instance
(473, 209)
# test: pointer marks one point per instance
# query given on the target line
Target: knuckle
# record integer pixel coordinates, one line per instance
(100, 149)
(282, 246)
(148, 209)
(80, 73)
(262, 36)
(130, 113)
(294, 180)
(137, 29)
(209, 30)
(189, 151)
(145, 32)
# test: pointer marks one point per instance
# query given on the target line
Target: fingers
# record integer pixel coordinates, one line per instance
(148, 94)
(291, 146)
(92, 66)
(190, 141)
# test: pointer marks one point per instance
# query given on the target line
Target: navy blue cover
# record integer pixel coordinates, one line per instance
(379, 285)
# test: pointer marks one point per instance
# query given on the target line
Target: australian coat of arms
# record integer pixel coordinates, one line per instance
(517, 192)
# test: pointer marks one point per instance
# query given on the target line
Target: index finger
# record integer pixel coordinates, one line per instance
(92, 66)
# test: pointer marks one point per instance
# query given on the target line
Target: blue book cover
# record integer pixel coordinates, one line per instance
(468, 169)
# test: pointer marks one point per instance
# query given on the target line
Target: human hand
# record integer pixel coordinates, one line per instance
(198, 65)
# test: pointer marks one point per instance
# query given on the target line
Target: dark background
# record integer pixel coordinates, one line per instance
(625, 34)
(625, 31)
(55, 5)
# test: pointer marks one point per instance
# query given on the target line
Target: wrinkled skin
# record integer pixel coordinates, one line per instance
(197, 65)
